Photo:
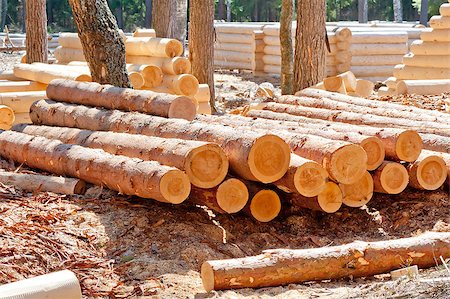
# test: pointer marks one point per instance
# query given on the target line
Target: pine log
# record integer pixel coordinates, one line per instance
(203, 95)
(234, 56)
(373, 60)
(435, 35)
(378, 49)
(150, 46)
(238, 28)
(184, 84)
(229, 197)
(440, 22)
(144, 32)
(380, 37)
(9, 76)
(21, 86)
(252, 156)
(22, 118)
(344, 162)
(373, 71)
(70, 40)
(136, 79)
(327, 201)
(6, 116)
(335, 84)
(264, 204)
(65, 55)
(420, 47)
(359, 259)
(152, 75)
(428, 172)
(33, 182)
(39, 73)
(232, 65)
(234, 38)
(390, 178)
(303, 176)
(205, 163)
(444, 10)
(423, 87)
(407, 72)
(445, 157)
(440, 61)
(364, 88)
(349, 80)
(358, 194)
(169, 66)
(147, 179)
(20, 102)
(112, 97)
(256, 47)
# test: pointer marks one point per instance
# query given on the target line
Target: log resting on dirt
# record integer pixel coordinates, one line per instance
(358, 194)
(35, 182)
(112, 97)
(358, 259)
(205, 163)
(390, 178)
(264, 204)
(328, 201)
(253, 156)
(428, 172)
(45, 73)
(147, 179)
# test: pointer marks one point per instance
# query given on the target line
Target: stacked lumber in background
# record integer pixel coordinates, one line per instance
(426, 69)
(239, 46)
(18, 41)
(337, 61)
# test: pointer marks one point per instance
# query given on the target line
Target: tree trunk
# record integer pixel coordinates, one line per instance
(118, 13)
(363, 11)
(228, 10)
(3, 13)
(163, 17)
(36, 23)
(309, 61)
(180, 24)
(398, 11)
(221, 10)
(148, 13)
(103, 47)
(287, 52)
(22, 14)
(201, 43)
(424, 12)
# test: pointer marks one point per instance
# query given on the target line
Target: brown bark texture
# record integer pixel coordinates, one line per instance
(103, 47)
(287, 51)
(36, 24)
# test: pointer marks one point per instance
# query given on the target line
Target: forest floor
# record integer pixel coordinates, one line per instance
(126, 247)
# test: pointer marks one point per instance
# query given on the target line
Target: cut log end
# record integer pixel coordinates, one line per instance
(84, 78)
(431, 173)
(6, 116)
(174, 48)
(153, 76)
(330, 199)
(206, 166)
(188, 85)
(207, 274)
(348, 164)
(265, 205)
(269, 158)
(358, 194)
(80, 187)
(136, 79)
(181, 65)
(175, 186)
(232, 195)
(394, 179)
(374, 149)
(310, 179)
(409, 146)
(183, 107)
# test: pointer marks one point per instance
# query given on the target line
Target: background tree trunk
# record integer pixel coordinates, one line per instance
(118, 13)
(287, 52)
(178, 31)
(424, 12)
(201, 43)
(36, 24)
(221, 10)
(22, 14)
(103, 46)
(309, 62)
(228, 10)
(398, 11)
(363, 11)
(148, 13)
(163, 16)
(3, 12)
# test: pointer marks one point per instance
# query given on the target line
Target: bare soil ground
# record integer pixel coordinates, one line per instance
(126, 247)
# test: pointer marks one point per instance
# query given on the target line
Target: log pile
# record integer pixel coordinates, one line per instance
(346, 83)
(426, 69)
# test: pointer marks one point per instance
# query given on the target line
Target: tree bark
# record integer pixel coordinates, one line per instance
(148, 13)
(36, 23)
(398, 11)
(3, 13)
(363, 11)
(228, 10)
(201, 43)
(221, 10)
(163, 17)
(424, 12)
(103, 47)
(309, 61)
(287, 52)
(118, 12)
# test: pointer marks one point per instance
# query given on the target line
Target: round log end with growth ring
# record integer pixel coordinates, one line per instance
(137, 81)
(390, 178)
(265, 205)
(183, 107)
(175, 186)
(347, 164)
(6, 116)
(181, 65)
(206, 166)
(232, 195)
(409, 146)
(269, 158)
(330, 199)
(375, 152)
(429, 173)
(153, 75)
(187, 85)
(358, 194)
(80, 187)
(310, 179)
(173, 48)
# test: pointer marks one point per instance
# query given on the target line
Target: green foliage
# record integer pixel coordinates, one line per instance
(433, 6)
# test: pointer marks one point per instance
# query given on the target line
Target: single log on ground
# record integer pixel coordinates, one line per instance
(344, 162)
(372, 145)
(435, 35)
(423, 87)
(112, 97)
(6, 116)
(170, 66)
(229, 197)
(21, 86)
(407, 72)
(150, 46)
(45, 74)
(303, 176)
(358, 194)
(34, 182)
(390, 178)
(264, 204)
(184, 84)
(147, 179)
(428, 172)
(21, 102)
(205, 163)
(144, 32)
(253, 156)
(328, 201)
(359, 259)
(152, 75)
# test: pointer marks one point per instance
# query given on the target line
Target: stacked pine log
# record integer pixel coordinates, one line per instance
(426, 70)
(346, 83)
(337, 61)
(239, 46)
